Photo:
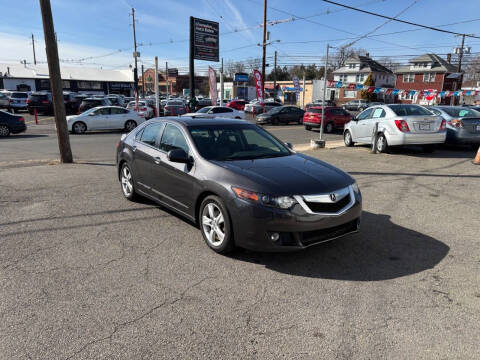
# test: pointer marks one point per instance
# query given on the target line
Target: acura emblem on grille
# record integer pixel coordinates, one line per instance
(333, 197)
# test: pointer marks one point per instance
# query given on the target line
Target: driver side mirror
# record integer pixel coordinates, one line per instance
(289, 145)
(178, 156)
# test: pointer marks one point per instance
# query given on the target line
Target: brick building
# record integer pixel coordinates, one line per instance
(176, 82)
(426, 72)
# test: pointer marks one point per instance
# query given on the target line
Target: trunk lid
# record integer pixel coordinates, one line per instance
(472, 125)
(422, 124)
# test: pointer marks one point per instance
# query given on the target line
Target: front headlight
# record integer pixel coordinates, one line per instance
(282, 202)
(355, 188)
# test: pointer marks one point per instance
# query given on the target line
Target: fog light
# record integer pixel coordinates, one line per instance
(275, 236)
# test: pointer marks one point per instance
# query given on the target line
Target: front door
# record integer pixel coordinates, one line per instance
(172, 182)
(360, 129)
(98, 119)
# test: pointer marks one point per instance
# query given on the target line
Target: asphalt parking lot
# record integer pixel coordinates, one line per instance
(86, 274)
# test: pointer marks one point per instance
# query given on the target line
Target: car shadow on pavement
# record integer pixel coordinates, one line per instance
(381, 250)
(26, 136)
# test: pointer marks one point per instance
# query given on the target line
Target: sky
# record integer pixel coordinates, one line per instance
(98, 33)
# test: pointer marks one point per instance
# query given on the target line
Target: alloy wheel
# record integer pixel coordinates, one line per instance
(127, 182)
(4, 130)
(130, 125)
(347, 138)
(213, 224)
(79, 128)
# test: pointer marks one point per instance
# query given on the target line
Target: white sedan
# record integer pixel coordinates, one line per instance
(104, 118)
(210, 112)
(398, 124)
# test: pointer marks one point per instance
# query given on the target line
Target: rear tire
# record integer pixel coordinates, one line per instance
(215, 225)
(4, 131)
(347, 139)
(329, 128)
(130, 125)
(381, 144)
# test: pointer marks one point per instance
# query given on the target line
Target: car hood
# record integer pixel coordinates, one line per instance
(296, 174)
(71, 117)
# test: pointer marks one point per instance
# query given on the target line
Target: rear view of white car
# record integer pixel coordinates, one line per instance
(398, 124)
(210, 112)
(104, 118)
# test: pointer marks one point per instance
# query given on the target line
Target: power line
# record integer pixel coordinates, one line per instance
(398, 20)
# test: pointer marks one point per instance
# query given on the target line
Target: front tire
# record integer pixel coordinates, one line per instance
(381, 144)
(347, 139)
(215, 225)
(79, 127)
(130, 125)
(126, 181)
(329, 128)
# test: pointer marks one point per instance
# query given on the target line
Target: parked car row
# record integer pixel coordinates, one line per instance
(11, 124)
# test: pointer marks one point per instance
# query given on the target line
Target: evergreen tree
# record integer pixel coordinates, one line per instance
(369, 96)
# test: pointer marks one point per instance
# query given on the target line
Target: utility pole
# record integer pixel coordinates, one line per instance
(264, 45)
(56, 84)
(321, 141)
(275, 73)
(135, 69)
(191, 61)
(303, 94)
(143, 83)
(459, 69)
(157, 100)
(166, 76)
(221, 85)
(33, 46)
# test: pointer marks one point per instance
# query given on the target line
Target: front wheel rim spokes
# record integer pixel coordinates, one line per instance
(213, 224)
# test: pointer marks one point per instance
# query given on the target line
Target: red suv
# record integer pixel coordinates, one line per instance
(237, 104)
(335, 118)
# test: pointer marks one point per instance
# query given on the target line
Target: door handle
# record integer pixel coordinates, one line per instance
(156, 159)
(134, 148)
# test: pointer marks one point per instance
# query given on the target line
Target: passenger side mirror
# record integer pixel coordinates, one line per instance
(178, 156)
(289, 145)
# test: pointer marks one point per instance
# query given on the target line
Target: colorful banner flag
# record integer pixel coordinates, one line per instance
(212, 79)
(259, 86)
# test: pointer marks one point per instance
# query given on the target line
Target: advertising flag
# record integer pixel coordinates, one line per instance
(212, 79)
(259, 86)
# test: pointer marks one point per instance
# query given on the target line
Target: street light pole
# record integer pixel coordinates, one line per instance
(135, 69)
(157, 102)
(264, 45)
(324, 94)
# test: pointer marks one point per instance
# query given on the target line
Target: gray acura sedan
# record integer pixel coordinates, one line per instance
(240, 184)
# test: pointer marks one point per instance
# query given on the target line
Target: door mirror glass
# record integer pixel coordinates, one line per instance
(178, 156)
(289, 145)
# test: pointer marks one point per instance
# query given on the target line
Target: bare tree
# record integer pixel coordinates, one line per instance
(233, 67)
(338, 58)
(472, 70)
(389, 63)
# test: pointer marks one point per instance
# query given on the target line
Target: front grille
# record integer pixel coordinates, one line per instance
(319, 207)
(317, 236)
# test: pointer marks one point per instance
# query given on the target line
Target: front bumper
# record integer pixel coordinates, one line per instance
(416, 138)
(255, 224)
(263, 120)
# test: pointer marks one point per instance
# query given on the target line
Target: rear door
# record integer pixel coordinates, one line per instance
(118, 117)
(99, 120)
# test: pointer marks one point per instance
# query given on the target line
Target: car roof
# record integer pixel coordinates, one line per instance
(189, 121)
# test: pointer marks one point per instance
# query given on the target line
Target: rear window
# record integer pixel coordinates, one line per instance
(38, 97)
(461, 112)
(315, 111)
(174, 103)
(409, 110)
(92, 101)
(19, 95)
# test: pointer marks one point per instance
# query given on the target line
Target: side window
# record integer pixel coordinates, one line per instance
(378, 113)
(116, 111)
(435, 111)
(364, 114)
(172, 139)
(103, 111)
(151, 133)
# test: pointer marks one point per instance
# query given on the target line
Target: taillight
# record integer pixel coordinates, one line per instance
(29, 101)
(118, 144)
(44, 101)
(402, 125)
(443, 125)
(21, 119)
(143, 109)
(456, 123)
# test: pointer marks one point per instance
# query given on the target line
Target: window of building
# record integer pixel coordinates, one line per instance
(66, 84)
(352, 66)
(97, 85)
(360, 78)
(342, 77)
(408, 78)
(429, 77)
(45, 84)
(350, 94)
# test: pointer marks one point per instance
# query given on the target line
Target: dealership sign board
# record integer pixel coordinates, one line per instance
(205, 40)
(240, 77)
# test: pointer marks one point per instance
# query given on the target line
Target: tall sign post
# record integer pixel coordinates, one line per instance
(204, 45)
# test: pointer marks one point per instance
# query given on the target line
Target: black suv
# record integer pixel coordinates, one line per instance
(89, 103)
(41, 101)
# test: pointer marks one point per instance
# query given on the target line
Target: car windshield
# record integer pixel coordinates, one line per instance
(236, 142)
(460, 112)
(409, 110)
(204, 110)
(90, 110)
(315, 110)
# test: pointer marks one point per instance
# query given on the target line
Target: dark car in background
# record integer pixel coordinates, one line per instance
(254, 107)
(356, 105)
(281, 115)
(320, 103)
(463, 124)
(239, 183)
(335, 118)
(91, 102)
(11, 124)
(72, 102)
(175, 107)
(40, 101)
